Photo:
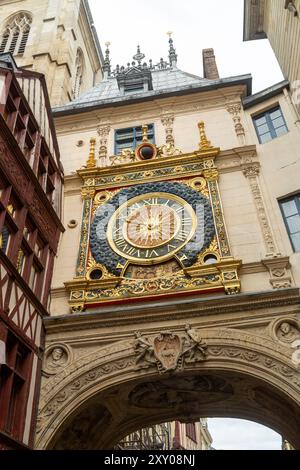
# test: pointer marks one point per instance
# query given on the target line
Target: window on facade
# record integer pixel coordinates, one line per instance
(15, 35)
(290, 208)
(134, 88)
(270, 124)
(79, 65)
(131, 137)
(14, 376)
(190, 429)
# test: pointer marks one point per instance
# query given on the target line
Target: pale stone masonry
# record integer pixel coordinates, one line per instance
(279, 21)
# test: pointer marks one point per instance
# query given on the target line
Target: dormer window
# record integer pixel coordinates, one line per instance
(136, 77)
(134, 88)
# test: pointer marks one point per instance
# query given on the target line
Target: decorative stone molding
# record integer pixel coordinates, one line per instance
(125, 364)
(280, 275)
(169, 149)
(251, 172)
(235, 109)
(103, 132)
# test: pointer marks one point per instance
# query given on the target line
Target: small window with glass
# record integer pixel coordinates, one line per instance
(270, 124)
(290, 208)
(131, 137)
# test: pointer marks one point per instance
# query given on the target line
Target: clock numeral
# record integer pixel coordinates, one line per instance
(133, 252)
(120, 266)
(170, 247)
(179, 210)
(152, 201)
(135, 206)
(120, 242)
(151, 253)
(182, 236)
(117, 232)
(187, 221)
(183, 258)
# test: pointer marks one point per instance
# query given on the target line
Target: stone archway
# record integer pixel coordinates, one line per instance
(221, 372)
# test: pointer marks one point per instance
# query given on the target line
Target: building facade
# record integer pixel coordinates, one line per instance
(31, 191)
(56, 38)
(175, 292)
(279, 21)
(170, 436)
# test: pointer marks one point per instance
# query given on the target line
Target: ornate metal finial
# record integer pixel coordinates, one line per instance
(106, 66)
(172, 51)
(91, 163)
(139, 56)
(204, 143)
(145, 133)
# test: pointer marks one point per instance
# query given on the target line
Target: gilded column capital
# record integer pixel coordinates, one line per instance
(88, 192)
(211, 174)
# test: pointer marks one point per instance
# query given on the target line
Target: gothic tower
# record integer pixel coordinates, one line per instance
(56, 38)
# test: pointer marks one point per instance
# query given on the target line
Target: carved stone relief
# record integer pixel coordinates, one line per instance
(168, 351)
(180, 392)
(56, 358)
(235, 110)
(280, 274)
(169, 149)
(103, 132)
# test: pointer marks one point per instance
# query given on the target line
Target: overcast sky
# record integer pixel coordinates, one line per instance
(237, 434)
(196, 25)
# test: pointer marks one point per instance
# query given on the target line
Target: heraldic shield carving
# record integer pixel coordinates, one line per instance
(167, 350)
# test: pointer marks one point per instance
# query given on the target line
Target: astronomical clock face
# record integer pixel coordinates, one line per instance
(151, 228)
(151, 224)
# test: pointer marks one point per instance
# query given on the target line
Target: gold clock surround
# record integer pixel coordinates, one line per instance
(196, 170)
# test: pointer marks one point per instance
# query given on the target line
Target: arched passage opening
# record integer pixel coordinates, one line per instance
(106, 396)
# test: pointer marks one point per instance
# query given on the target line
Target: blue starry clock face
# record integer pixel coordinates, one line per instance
(150, 224)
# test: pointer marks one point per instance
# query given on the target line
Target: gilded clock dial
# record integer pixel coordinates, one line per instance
(151, 228)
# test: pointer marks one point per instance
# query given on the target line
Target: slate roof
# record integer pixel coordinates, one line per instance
(165, 81)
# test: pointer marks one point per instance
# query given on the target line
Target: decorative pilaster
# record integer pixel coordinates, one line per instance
(103, 132)
(235, 109)
(169, 149)
(251, 172)
(87, 194)
(211, 176)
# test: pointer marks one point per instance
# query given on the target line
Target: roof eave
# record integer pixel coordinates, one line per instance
(265, 94)
(245, 80)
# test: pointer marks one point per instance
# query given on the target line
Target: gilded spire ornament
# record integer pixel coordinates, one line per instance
(204, 143)
(106, 65)
(91, 163)
(172, 52)
(145, 133)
